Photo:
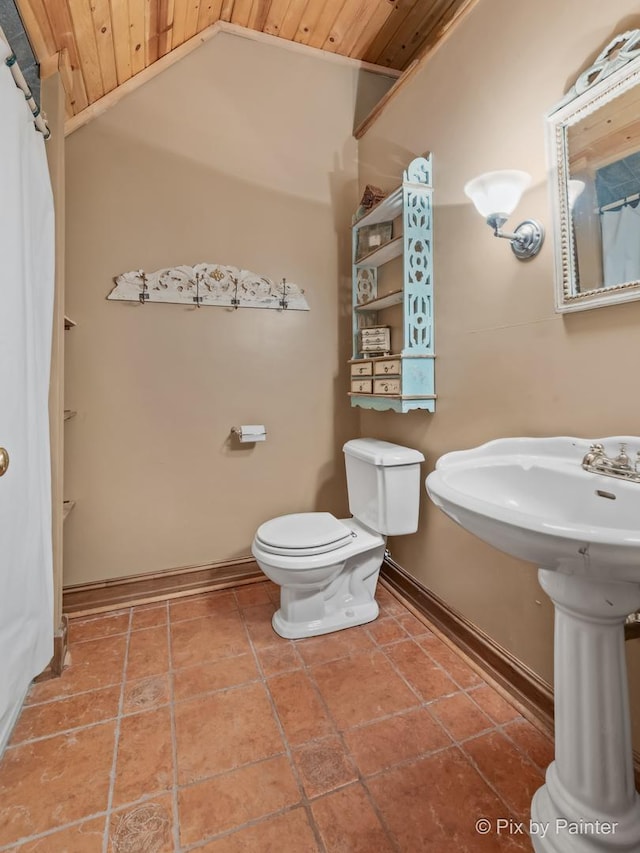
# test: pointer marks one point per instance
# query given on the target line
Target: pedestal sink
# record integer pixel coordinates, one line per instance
(531, 498)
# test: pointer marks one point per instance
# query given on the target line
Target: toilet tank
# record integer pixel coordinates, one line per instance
(383, 482)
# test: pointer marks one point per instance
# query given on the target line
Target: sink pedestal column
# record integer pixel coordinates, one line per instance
(589, 803)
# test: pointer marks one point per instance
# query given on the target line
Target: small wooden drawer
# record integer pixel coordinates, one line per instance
(386, 386)
(375, 339)
(361, 386)
(387, 368)
(363, 368)
(374, 331)
(377, 343)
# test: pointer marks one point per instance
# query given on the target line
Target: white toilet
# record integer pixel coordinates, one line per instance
(328, 568)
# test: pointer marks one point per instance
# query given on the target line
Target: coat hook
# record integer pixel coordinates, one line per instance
(283, 302)
(197, 298)
(144, 295)
(235, 301)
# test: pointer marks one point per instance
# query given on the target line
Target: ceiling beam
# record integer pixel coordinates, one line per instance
(441, 36)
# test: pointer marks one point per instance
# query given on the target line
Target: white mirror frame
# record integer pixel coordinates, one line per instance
(616, 70)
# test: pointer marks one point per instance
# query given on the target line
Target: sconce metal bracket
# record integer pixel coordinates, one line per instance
(529, 236)
(526, 240)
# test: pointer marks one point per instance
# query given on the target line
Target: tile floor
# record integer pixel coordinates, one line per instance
(191, 725)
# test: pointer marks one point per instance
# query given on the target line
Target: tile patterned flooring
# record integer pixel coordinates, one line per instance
(190, 725)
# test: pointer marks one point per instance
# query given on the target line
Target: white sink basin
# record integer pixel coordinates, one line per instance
(531, 498)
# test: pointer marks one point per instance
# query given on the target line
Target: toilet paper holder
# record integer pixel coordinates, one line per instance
(249, 433)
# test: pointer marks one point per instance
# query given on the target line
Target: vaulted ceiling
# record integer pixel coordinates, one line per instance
(100, 44)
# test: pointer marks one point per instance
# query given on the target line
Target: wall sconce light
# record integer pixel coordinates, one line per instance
(574, 189)
(496, 196)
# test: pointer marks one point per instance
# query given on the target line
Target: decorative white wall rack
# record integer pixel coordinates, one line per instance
(403, 379)
(209, 284)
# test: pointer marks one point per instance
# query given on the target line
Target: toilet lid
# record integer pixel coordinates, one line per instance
(303, 533)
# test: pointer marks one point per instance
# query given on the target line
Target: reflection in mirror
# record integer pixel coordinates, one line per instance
(594, 147)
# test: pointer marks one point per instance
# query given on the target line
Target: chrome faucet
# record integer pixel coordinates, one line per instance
(597, 461)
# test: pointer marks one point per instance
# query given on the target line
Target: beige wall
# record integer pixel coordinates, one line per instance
(240, 154)
(506, 363)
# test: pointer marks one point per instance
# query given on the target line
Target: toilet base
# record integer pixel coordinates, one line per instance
(347, 617)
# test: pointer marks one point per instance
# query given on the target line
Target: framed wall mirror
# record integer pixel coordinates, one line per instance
(593, 143)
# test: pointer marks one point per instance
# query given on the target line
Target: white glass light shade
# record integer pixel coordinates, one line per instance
(575, 187)
(497, 192)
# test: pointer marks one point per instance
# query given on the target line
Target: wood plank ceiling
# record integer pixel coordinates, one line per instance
(100, 44)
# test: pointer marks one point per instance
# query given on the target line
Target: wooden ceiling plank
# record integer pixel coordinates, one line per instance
(319, 30)
(36, 21)
(399, 12)
(439, 32)
(291, 22)
(464, 9)
(594, 131)
(307, 22)
(259, 12)
(604, 120)
(136, 35)
(209, 13)
(165, 26)
(227, 10)
(101, 13)
(151, 41)
(377, 20)
(603, 152)
(85, 38)
(241, 12)
(49, 65)
(179, 23)
(419, 22)
(204, 14)
(277, 13)
(66, 75)
(121, 43)
(348, 25)
(417, 31)
(191, 18)
(62, 27)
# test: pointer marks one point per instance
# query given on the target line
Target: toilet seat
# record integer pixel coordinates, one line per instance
(303, 534)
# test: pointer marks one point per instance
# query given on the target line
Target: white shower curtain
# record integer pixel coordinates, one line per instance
(26, 312)
(621, 245)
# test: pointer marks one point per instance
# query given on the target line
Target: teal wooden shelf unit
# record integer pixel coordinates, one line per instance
(405, 380)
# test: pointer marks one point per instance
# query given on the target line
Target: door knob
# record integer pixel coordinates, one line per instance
(4, 461)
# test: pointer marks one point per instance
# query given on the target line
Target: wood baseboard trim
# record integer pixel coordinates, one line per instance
(115, 593)
(517, 681)
(530, 691)
(60, 648)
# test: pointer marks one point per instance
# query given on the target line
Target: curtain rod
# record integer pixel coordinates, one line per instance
(12, 63)
(619, 203)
